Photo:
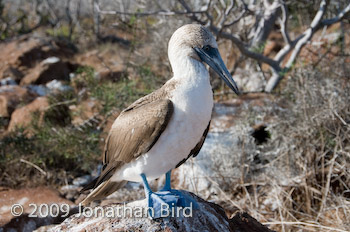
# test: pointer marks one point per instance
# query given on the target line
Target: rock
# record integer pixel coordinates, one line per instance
(51, 60)
(11, 51)
(133, 217)
(52, 87)
(40, 90)
(22, 117)
(82, 180)
(13, 73)
(70, 192)
(244, 222)
(249, 79)
(7, 81)
(11, 96)
(260, 133)
(104, 62)
(47, 71)
(26, 197)
(20, 55)
(43, 48)
(57, 86)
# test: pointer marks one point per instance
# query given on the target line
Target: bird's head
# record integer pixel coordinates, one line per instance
(197, 42)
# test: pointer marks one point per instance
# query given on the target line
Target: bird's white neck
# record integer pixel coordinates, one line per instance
(193, 92)
(187, 69)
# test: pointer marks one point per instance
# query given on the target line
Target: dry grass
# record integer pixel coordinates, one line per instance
(300, 179)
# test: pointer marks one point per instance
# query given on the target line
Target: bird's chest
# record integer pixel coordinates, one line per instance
(193, 104)
(192, 112)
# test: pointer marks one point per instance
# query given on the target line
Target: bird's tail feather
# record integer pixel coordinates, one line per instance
(103, 190)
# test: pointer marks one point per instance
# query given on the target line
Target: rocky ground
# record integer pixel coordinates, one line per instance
(206, 217)
(242, 166)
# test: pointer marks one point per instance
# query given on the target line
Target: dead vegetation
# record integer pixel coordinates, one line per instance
(314, 140)
(299, 180)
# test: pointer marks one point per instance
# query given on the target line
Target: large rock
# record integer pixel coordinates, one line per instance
(27, 198)
(104, 62)
(49, 69)
(12, 73)
(12, 51)
(207, 217)
(11, 96)
(23, 116)
(20, 55)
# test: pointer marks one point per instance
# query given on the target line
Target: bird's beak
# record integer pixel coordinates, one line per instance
(212, 57)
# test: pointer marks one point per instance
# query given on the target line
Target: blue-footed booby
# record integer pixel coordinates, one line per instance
(160, 131)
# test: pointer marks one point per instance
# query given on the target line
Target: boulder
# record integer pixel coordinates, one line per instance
(24, 52)
(133, 217)
(7, 81)
(23, 116)
(11, 96)
(49, 69)
(25, 56)
(10, 53)
(104, 62)
(13, 73)
(30, 218)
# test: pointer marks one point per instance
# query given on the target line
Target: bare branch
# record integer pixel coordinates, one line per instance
(286, 49)
(140, 14)
(96, 16)
(265, 25)
(193, 16)
(70, 19)
(241, 46)
(230, 7)
(274, 10)
(226, 13)
(284, 24)
(236, 20)
(308, 33)
(244, 48)
(208, 15)
(302, 40)
(34, 166)
(316, 21)
(52, 12)
(336, 19)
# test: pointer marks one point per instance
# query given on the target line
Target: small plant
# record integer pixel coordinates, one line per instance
(116, 94)
(57, 146)
(51, 147)
(61, 32)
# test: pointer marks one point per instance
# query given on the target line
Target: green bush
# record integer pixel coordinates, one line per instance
(62, 150)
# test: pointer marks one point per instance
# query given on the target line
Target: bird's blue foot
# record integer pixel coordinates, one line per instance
(167, 201)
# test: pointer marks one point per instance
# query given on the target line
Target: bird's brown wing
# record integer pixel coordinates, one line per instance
(134, 133)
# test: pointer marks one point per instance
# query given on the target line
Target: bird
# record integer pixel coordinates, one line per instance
(160, 131)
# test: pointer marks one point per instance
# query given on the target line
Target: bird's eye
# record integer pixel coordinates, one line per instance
(206, 48)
